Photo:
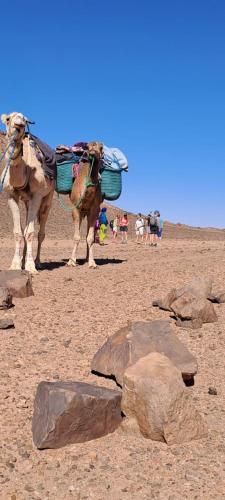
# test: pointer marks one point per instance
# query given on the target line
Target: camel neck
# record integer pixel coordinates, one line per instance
(17, 169)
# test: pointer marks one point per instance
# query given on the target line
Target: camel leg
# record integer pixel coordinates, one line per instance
(77, 217)
(43, 216)
(33, 208)
(92, 216)
(14, 207)
(25, 243)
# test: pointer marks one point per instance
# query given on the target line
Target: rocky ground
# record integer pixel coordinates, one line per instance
(57, 332)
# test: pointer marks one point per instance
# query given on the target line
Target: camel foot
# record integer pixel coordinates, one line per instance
(16, 265)
(92, 265)
(30, 266)
(38, 265)
(72, 263)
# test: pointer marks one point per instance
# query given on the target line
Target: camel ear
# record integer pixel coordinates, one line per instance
(3, 118)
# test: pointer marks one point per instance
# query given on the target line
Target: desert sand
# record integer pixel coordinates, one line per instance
(57, 332)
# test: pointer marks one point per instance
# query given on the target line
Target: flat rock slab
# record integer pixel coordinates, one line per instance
(157, 404)
(73, 412)
(135, 341)
(18, 283)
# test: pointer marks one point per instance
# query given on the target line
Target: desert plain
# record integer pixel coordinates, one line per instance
(58, 331)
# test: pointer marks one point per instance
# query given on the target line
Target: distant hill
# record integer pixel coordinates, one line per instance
(60, 223)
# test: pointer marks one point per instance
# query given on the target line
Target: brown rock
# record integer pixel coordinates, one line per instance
(6, 323)
(135, 341)
(217, 297)
(73, 412)
(19, 283)
(166, 302)
(188, 307)
(155, 397)
(199, 287)
(194, 324)
(5, 298)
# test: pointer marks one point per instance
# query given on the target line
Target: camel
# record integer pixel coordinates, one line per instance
(25, 180)
(86, 197)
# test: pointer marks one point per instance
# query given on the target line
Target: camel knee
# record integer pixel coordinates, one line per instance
(29, 236)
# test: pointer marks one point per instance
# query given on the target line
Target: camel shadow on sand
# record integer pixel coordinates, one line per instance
(50, 266)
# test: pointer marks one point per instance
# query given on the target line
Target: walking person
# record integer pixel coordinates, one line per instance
(103, 223)
(139, 228)
(124, 228)
(115, 228)
(147, 229)
(160, 229)
(154, 225)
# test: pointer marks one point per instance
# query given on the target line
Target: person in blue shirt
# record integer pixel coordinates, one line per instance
(103, 223)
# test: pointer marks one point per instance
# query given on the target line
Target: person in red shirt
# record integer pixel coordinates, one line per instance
(124, 228)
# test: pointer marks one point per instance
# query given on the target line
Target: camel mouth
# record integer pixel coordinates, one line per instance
(19, 127)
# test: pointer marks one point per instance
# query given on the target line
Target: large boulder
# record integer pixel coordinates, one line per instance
(157, 404)
(73, 412)
(18, 283)
(135, 341)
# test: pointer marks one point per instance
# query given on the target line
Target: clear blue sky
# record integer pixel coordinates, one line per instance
(145, 76)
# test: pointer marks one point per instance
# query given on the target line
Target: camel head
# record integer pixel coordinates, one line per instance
(15, 125)
(95, 149)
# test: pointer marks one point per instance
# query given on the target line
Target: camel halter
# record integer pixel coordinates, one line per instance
(11, 147)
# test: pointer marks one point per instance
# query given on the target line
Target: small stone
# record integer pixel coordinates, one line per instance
(71, 488)
(44, 339)
(29, 488)
(24, 454)
(6, 323)
(55, 375)
(67, 342)
(212, 391)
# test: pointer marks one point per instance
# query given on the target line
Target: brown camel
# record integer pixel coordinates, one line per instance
(86, 197)
(25, 180)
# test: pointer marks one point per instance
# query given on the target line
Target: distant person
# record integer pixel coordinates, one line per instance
(139, 228)
(147, 228)
(123, 223)
(103, 223)
(115, 228)
(160, 225)
(154, 225)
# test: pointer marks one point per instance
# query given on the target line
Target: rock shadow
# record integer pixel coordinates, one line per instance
(109, 377)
